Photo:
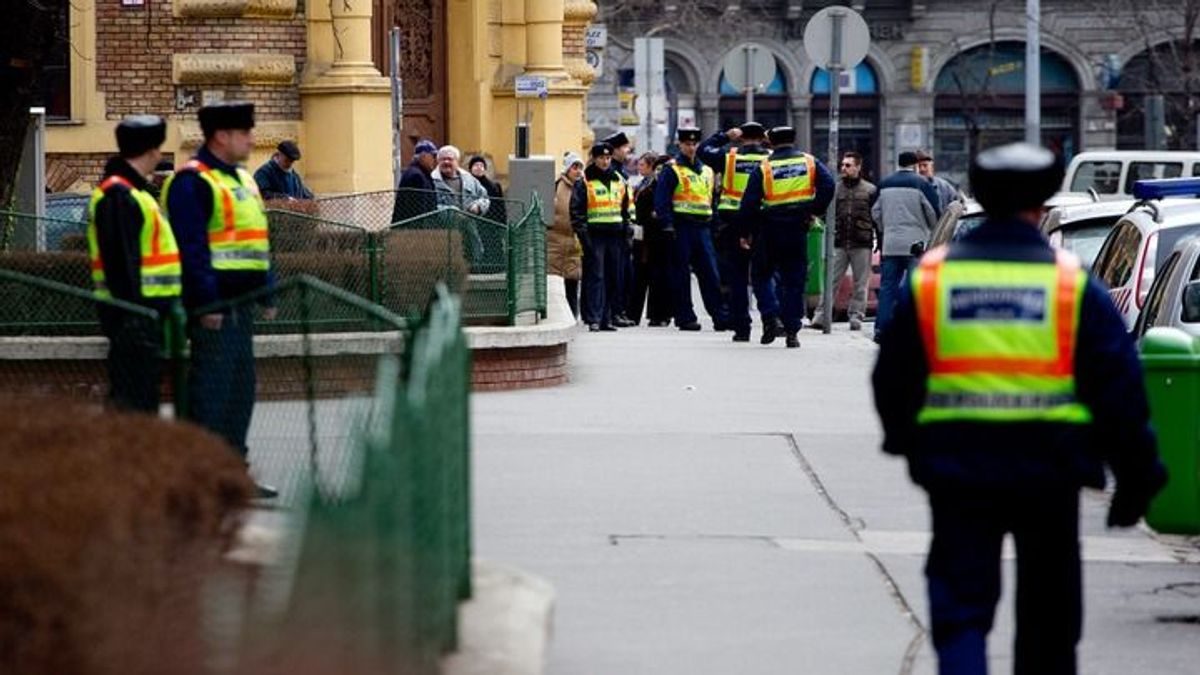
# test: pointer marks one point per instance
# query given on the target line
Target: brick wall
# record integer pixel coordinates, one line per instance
(65, 172)
(134, 46)
(520, 368)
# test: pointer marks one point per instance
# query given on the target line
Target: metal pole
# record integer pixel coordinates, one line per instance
(397, 106)
(1033, 72)
(749, 50)
(835, 100)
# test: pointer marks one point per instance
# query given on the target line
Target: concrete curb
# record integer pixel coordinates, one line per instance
(506, 628)
(558, 328)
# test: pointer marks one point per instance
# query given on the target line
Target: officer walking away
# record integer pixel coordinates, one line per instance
(218, 218)
(736, 163)
(134, 258)
(1007, 379)
(277, 178)
(600, 217)
(622, 149)
(782, 197)
(683, 202)
(853, 239)
(906, 212)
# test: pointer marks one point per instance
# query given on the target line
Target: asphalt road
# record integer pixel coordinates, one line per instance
(708, 507)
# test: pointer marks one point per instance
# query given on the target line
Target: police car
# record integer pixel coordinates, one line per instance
(1129, 258)
(1174, 298)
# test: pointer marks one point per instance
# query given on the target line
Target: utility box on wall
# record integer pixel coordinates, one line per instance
(530, 175)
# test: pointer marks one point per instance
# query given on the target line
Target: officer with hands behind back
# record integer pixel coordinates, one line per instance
(134, 258)
(1007, 379)
(600, 217)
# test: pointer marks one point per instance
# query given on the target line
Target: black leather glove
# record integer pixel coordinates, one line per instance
(917, 249)
(1130, 502)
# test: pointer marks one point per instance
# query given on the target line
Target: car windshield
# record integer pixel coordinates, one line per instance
(1085, 238)
(1168, 237)
(1103, 177)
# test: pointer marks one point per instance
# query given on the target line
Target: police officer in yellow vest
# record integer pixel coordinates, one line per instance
(1007, 379)
(219, 221)
(782, 197)
(133, 259)
(735, 154)
(683, 201)
(600, 217)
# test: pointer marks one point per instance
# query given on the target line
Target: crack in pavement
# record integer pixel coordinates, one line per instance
(855, 526)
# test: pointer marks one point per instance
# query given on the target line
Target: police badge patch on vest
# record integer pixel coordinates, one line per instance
(998, 304)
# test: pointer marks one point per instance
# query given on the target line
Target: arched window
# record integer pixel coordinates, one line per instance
(858, 116)
(1169, 69)
(980, 103)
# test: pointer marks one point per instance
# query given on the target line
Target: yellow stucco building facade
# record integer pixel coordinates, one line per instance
(317, 71)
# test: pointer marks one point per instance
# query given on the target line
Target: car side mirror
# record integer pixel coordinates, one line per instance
(1191, 302)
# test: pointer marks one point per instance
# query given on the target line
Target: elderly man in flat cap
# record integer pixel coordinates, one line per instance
(221, 225)
(135, 259)
(277, 178)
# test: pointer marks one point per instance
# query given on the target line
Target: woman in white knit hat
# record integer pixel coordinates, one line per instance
(564, 255)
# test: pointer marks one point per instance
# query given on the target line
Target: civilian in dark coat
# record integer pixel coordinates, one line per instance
(651, 287)
(496, 209)
(277, 177)
(415, 194)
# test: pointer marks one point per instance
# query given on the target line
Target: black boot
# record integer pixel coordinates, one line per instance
(772, 328)
(793, 342)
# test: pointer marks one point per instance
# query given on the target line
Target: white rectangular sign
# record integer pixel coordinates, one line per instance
(532, 86)
(597, 36)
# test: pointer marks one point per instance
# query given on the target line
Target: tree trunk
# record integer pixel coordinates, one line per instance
(27, 36)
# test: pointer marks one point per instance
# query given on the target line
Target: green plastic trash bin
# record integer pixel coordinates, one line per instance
(1171, 360)
(815, 284)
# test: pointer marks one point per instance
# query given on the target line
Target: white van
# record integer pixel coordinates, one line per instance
(1110, 174)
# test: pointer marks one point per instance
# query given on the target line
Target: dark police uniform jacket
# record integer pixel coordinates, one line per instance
(751, 211)
(972, 456)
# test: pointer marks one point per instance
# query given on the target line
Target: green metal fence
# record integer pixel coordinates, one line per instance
(365, 430)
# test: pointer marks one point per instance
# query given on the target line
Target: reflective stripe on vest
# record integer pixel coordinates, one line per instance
(789, 181)
(237, 229)
(160, 273)
(1000, 339)
(737, 175)
(604, 202)
(693, 191)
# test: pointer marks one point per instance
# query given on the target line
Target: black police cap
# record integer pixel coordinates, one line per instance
(782, 136)
(138, 134)
(226, 115)
(601, 150)
(688, 134)
(617, 140)
(753, 131)
(1015, 177)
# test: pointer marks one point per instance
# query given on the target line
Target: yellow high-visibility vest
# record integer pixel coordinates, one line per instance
(693, 191)
(161, 272)
(1000, 339)
(738, 168)
(237, 230)
(789, 181)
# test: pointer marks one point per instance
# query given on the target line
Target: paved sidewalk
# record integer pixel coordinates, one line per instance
(705, 507)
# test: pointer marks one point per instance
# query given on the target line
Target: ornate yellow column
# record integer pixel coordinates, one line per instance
(347, 106)
(544, 37)
(577, 15)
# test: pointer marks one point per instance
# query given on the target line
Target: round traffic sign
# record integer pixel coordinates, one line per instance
(819, 34)
(761, 67)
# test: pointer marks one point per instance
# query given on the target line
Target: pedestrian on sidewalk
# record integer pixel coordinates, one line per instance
(134, 258)
(277, 178)
(1008, 380)
(853, 240)
(736, 153)
(415, 193)
(906, 212)
(782, 197)
(564, 255)
(651, 254)
(600, 218)
(478, 167)
(947, 192)
(683, 201)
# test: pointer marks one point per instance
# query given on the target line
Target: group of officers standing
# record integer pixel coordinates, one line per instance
(750, 229)
(201, 244)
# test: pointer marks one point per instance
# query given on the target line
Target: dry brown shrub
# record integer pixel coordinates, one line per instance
(109, 525)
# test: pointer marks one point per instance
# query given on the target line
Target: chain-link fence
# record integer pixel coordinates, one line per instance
(22, 232)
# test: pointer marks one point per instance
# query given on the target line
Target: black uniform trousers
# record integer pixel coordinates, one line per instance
(781, 252)
(135, 345)
(601, 275)
(691, 252)
(963, 571)
(651, 287)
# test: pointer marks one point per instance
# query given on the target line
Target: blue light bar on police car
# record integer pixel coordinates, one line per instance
(1167, 187)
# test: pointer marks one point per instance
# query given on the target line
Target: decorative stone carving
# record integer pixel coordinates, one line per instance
(266, 134)
(581, 71)
(259, 9)
(415, 18)
(579, 11)
(204, 69)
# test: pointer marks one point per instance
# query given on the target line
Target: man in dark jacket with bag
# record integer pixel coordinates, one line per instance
(853, 239)
(1008, 381)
